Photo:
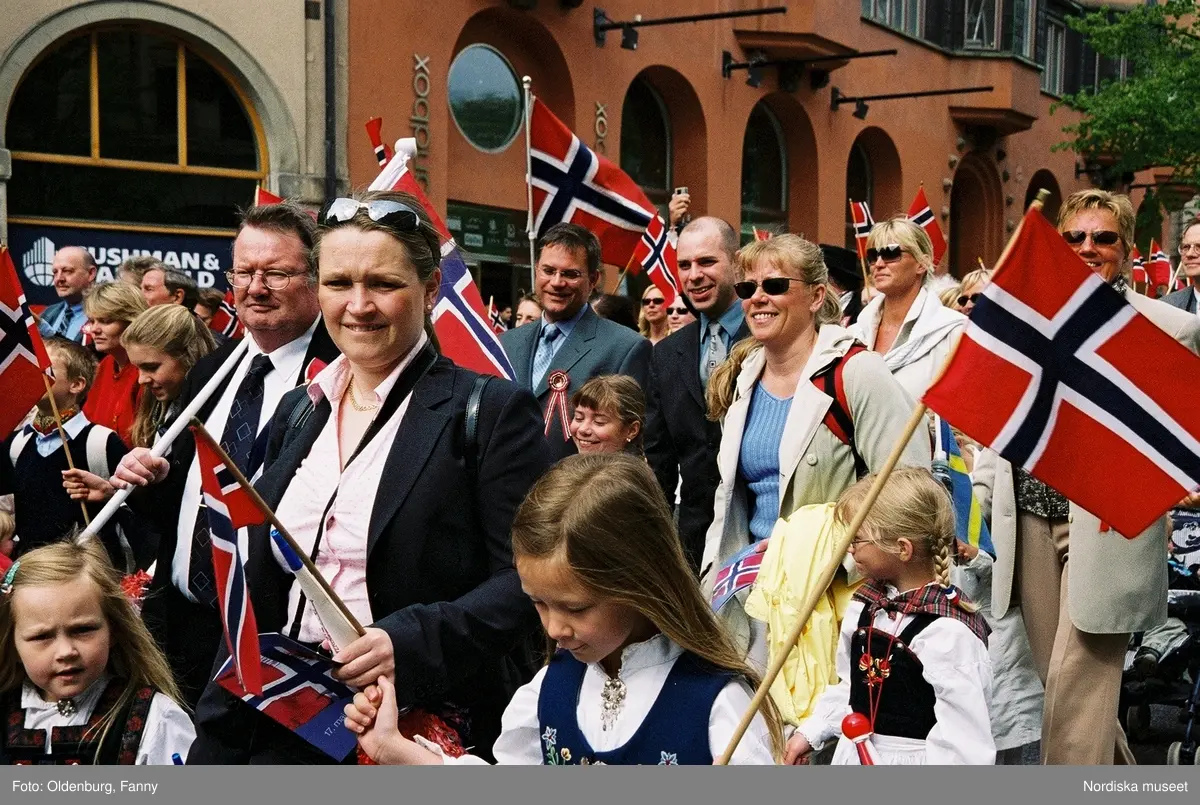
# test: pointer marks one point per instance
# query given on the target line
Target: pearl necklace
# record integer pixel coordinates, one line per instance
(354, 401)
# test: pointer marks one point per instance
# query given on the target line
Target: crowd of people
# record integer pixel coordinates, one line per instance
(610, 489)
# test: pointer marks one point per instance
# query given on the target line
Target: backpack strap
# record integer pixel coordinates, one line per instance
(831, 382)
(20, 440)
(471, 424)
(97, 451)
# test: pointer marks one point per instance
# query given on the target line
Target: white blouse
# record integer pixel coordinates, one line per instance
(168, 729)
(644, 669)
(955, 663)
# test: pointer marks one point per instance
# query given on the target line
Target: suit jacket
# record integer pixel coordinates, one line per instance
(440, 571)
(680, 440)
(1184, 299)
(595, 347)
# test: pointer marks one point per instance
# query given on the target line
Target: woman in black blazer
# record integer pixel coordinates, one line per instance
(404, 498)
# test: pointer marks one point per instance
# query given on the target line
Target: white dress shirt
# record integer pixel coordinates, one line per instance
(168, 729)
(286, 362)
(644, 669)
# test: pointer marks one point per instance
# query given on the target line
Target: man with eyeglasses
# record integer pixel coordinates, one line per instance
(274, 282)
(680, 440)
(1189, 258)
(571, 344)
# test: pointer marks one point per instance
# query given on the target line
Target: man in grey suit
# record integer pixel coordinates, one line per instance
(1189, 258)
(571, 344)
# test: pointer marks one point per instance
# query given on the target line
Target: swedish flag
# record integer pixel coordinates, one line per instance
(969, 518)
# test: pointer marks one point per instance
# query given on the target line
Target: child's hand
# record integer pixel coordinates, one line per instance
(966, 552)
(797, 751)
(83, 485)
(374, 718)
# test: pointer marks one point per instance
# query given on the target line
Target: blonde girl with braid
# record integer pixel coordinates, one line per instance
(912, 654)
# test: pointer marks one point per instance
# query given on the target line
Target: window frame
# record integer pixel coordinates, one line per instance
(882, 11)
(654, 193)
(1054, 75)
(994, 45)
(770, 215)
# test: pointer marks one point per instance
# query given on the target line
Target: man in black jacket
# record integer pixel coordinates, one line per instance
(275, 290)
(680, 441)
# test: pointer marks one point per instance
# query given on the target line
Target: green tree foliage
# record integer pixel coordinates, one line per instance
(1152, 118)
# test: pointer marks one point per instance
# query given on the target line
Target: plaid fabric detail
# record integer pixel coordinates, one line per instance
(931, 599)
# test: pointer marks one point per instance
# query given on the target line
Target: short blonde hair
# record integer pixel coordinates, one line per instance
(949, 297)
(977, 277)
(911, 237)
(115, 301)
(1116, 203)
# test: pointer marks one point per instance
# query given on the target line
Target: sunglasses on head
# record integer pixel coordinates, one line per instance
(772, 286)
(973, 298)
(650, 300)
(1101, 237)
(381, 211)
(889, 253)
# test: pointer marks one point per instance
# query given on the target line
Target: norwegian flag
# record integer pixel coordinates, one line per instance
(460, 320)
(383, 152)
(656, 253)
(230, 508)
(23, 358)
(225, 319)
(1140, 274)
(298, 692)
(920, 214)
(264, 198)
(1067, 380)
(1159, 266)
(860, 214)
(764, 234)
(573, 183)
(738, 574)
(498, 325)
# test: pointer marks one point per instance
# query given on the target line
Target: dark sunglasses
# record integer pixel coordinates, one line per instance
(890, 253)
(772, 286)
(1101, 237)
(973, 298)
(652, 301)
(677, 311)
(389, 213)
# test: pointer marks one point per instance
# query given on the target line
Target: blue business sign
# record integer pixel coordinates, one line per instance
(205, 258)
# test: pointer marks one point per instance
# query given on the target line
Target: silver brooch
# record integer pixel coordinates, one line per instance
(66, 707)
(613, 699)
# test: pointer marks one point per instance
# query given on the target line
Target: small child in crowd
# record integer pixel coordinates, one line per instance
(643, 673)
(609, 415)
(79, 664)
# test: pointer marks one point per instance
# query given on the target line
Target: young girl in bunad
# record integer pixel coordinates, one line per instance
(643, 673)
(81, 680)
(912, 655)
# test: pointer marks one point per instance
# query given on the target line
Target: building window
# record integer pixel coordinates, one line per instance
(981, 25)
(1052, 70)
(764, 172)
(486, 98)
(130, 127)
(1023, 16)
(860, 186)
(903, 15)
(646, 141)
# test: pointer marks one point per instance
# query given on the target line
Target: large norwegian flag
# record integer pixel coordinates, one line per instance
(573, 183)
(23, 358)
(920, 214)
(460, 318)
(860, 214)
(656, 254)
(230, 508)
(1138, 264)
(1067, 380)
(1159, 266)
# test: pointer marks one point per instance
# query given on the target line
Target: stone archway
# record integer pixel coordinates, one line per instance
(689, 137)
(976, 214)
(800, 144)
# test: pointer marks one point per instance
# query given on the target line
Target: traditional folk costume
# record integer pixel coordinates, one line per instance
(666, 707)
(916, 665)
(65, 733)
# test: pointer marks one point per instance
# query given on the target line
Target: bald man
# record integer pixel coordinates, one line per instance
(74, 273)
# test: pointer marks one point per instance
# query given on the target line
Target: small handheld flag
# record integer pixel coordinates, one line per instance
(738, 574)
(23, 357)
(968, 516)
(383, 152)
(921, 215)
(860, 214)
(1158, 267)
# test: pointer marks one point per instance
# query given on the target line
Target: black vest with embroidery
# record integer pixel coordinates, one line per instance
(906, 701)
(76, 746)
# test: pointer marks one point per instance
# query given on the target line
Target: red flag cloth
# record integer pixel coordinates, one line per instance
(920, 214)
(860, 214)
(1069, 381)
(383, 153)
(1139, 268)
(495, 319)
(1158, 267)
(656, 253)
(573, 183)
(23, 358)
(216, 480)
(761, 234)
(225, 319)
(264, 197)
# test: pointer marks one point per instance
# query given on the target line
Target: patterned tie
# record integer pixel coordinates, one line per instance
(545, 351)
(237, 440)
(715, 354)
(64, 323)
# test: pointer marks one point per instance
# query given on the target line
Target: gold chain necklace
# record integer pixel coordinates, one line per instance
(354, 400)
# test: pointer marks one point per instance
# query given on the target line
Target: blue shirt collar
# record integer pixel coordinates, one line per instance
(565, 327)
(731, 320)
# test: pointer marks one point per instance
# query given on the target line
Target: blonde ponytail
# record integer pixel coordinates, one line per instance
(722, 383)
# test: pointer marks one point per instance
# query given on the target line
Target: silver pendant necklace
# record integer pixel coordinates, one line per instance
(612, 700)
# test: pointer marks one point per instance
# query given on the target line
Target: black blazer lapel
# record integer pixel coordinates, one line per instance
(687, 352)
(320, 348)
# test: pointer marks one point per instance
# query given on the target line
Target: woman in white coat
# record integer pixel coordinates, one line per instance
(906, 323)
(778, 451)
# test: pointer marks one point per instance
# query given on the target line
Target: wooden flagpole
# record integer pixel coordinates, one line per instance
(63, 435)
(827, 574)
(980, 261)
(203, 434)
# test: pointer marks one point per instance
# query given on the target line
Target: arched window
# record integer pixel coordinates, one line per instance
(764, 173)
(646, 141)
(860, 186)
(130, 126)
